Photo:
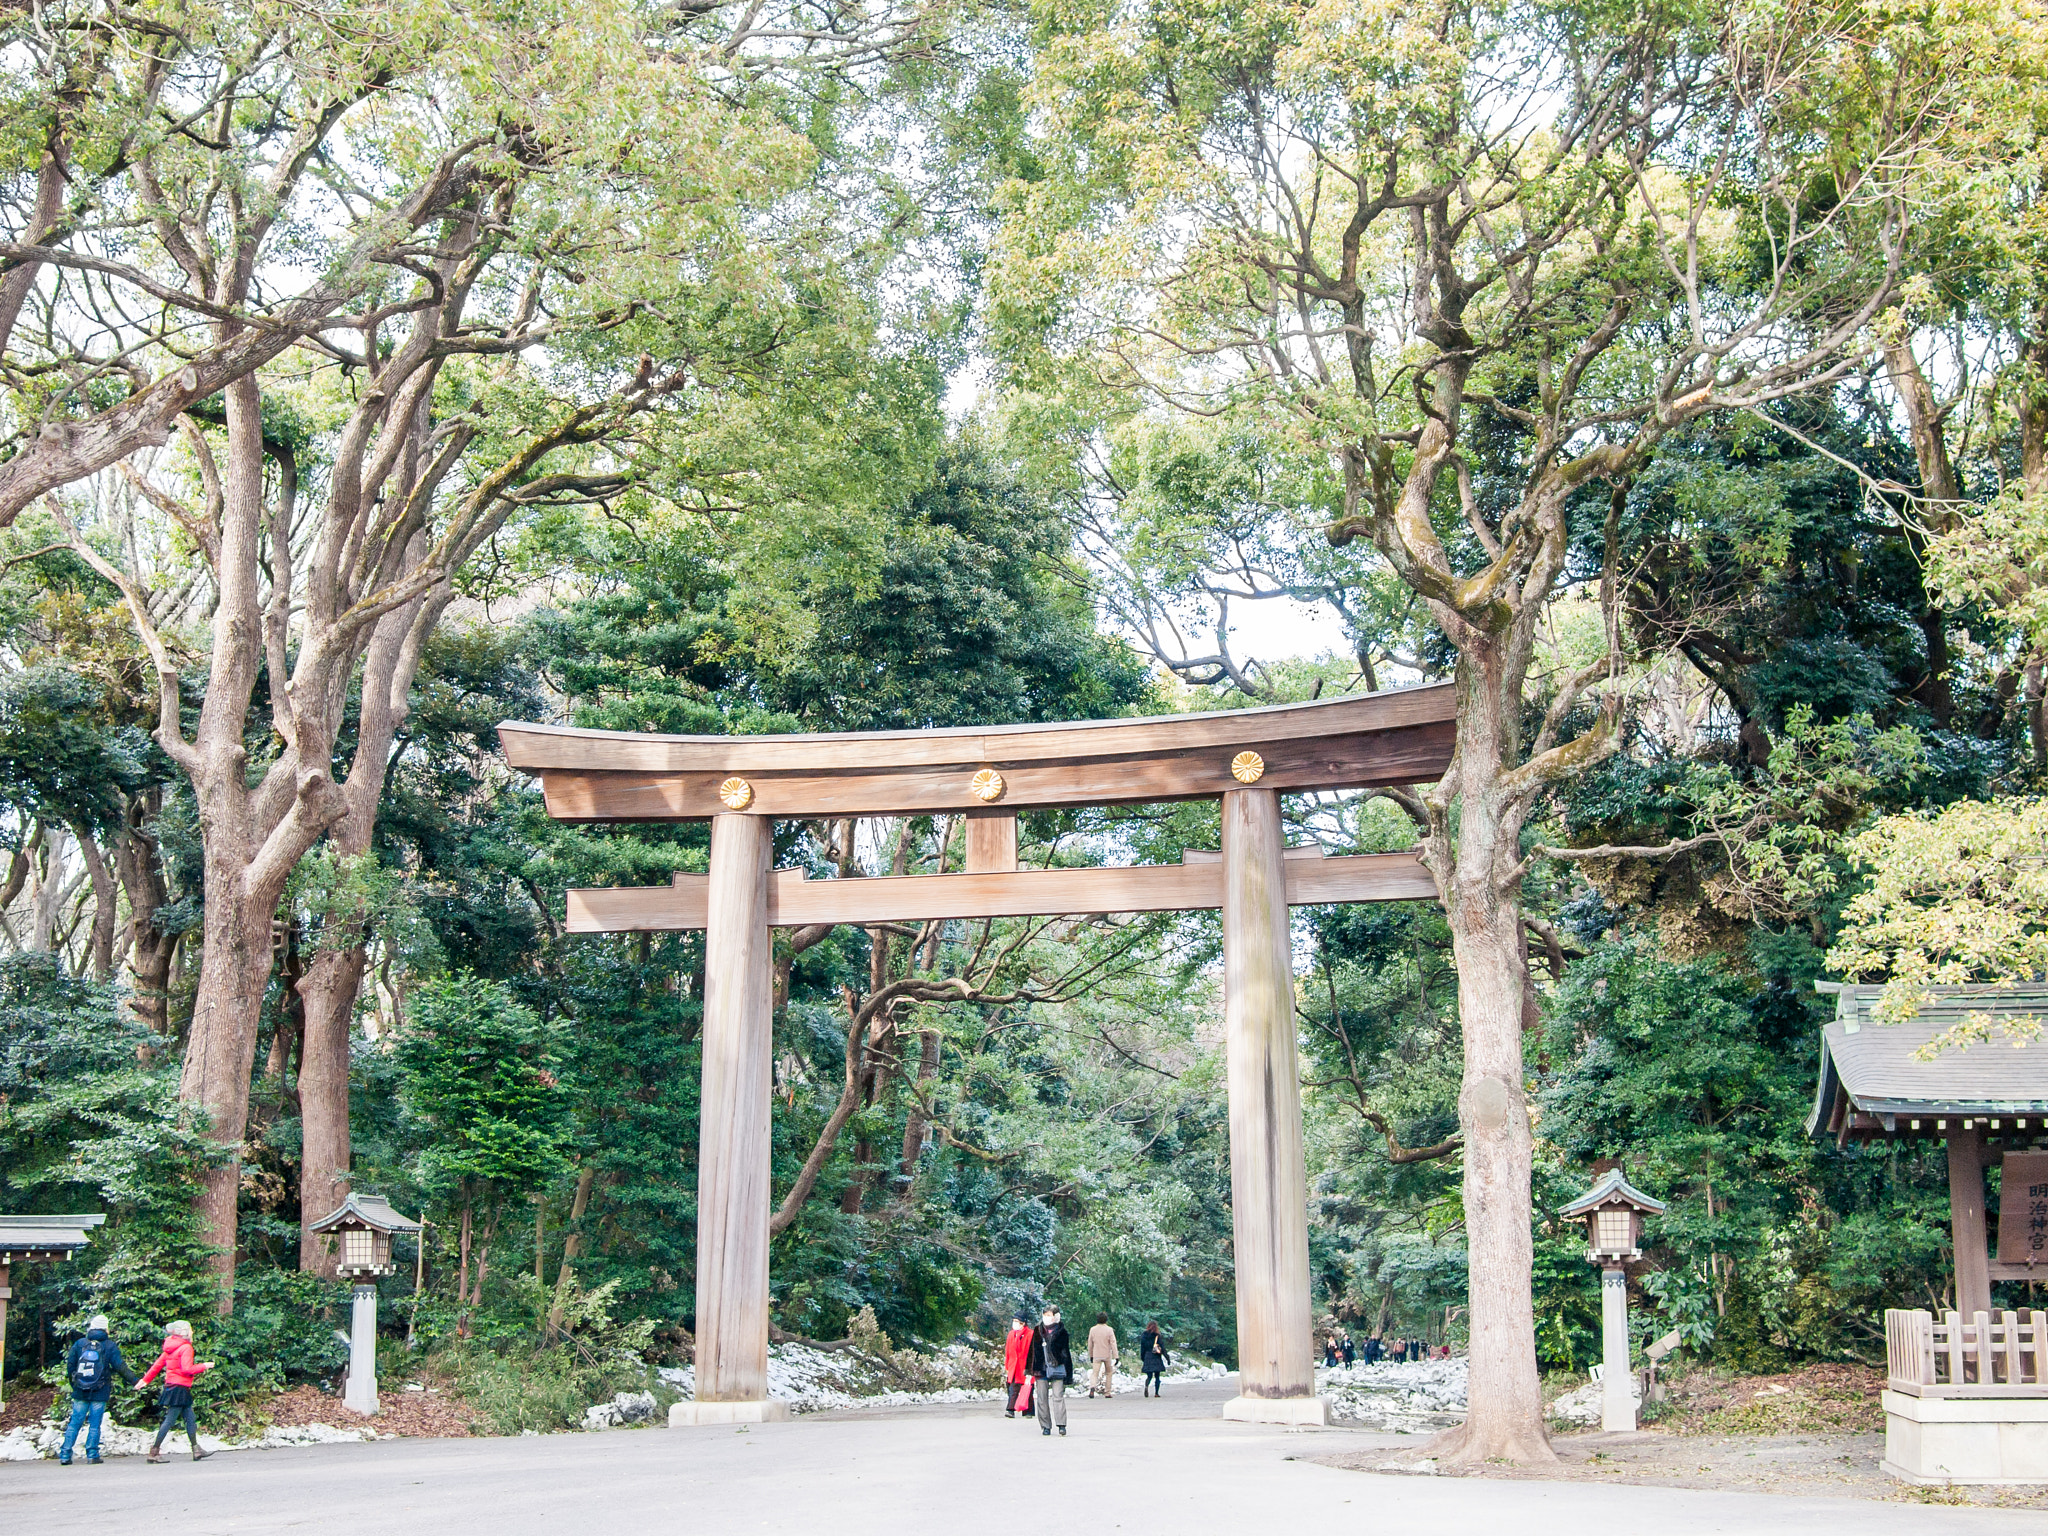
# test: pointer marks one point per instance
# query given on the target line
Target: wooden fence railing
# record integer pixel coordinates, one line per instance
(2002, 1354)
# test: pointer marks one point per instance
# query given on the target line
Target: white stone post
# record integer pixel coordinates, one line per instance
(362, 1352)
(1617, 1402)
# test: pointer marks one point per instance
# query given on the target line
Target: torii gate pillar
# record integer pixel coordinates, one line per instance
(1248, 758)
(1268, 1168)
(733, 1138)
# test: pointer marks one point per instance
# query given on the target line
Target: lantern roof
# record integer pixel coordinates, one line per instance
(372, 1211)
(45, 1237)
(1612, 1189)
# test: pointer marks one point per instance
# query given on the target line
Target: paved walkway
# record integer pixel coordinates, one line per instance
(1169, 1467)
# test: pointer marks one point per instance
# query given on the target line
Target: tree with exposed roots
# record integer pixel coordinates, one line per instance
(1480, 260)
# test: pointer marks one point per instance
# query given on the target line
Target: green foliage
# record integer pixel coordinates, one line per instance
(61, 762)
(480, 1073)
(86, 1126)
(521, 1382)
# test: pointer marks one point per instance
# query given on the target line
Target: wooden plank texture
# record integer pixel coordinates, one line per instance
(733, 1138)
(991, 842)
(538, 748)
(1411, 754)
(1268, 1167)
(794, 901)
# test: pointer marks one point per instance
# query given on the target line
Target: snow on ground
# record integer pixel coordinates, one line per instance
(811, 1380)
(40, 1442)
(1411, 1397)
(1584, 1406)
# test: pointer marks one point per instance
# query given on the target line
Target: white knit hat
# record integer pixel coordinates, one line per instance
(99, 1321)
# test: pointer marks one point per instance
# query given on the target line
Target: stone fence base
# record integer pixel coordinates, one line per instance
(1941, 1440)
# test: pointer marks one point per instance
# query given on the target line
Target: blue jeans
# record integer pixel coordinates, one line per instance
(88, 1412)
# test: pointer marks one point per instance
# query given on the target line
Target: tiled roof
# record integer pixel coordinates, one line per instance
(1612, 1186)
(41, 1234)
(1870, 1068)
(371, 1210)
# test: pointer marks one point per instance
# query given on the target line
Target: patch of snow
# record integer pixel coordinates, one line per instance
(625, 1408)
(1405, 1398)
(1583, 1406)
(41, 1442)
(812, 1380)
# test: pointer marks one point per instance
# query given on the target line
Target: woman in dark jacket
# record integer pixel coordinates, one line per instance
(1051, 1360)
(1151, 1358)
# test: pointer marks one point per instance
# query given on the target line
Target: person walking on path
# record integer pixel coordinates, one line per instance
(90, 1367)
(1350, 1350)
(1151, 1357)
(1102, 1355)
(1016, 1352)
(1329, 1350)
(1052, 1361)
(179, 1370)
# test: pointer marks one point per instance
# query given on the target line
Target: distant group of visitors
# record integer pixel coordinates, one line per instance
(1038, 1365)
(94, 1361)
(1339, 1349)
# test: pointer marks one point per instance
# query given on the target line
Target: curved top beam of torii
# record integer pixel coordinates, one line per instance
(1401, 736)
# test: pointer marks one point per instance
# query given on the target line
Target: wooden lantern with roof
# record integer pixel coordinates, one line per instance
(363, 1227)
(1613, 1211)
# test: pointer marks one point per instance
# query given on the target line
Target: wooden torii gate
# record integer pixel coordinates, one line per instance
(744, 784)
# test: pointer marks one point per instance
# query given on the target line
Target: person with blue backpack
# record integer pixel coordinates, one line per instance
(91, 1366)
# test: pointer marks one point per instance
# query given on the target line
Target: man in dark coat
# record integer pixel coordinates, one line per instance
(1051, 1360)
(90, 1366)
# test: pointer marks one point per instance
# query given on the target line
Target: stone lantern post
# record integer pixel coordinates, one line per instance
(1613, 1211)
(363, 1227)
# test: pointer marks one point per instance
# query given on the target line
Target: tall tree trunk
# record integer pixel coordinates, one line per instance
(2033, 411)
(1926, 425)
(49, 890)
(1481, 900)
(572, 1249)
(140, 866)
(20, 280)
(462, 1262)
(221, 1050)
(290, 1015)
(914, 1123)
(105, 905)
(328, 993)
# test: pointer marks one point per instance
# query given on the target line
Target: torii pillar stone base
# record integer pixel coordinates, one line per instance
(760, 1411)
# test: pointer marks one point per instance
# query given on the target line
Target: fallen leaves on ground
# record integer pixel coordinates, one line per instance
(416, 1415)
(25, 1406)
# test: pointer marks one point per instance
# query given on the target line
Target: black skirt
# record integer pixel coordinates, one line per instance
(175, 1397)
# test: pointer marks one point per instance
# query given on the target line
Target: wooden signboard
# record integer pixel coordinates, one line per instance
(2023, 1210)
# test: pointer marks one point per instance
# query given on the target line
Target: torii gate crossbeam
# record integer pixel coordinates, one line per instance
(743, 784)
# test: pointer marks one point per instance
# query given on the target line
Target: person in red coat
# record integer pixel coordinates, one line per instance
(1016, 1348)
(179, 1370)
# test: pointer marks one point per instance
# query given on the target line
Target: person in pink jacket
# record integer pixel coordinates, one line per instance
(180, 1370)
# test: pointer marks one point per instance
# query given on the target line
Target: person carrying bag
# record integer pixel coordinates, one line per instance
(90, 1368)
(1052, 1361)
(1152, 1358)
